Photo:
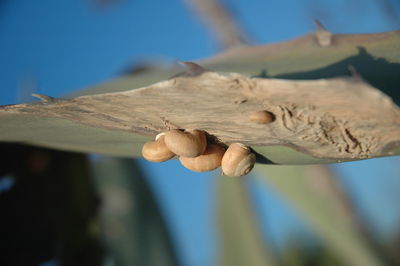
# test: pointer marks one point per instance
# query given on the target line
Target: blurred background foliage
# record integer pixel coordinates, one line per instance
(61, 208)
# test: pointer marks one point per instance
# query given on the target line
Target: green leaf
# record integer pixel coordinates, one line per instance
(240, 238)
(317, 121)
(374, 56)
(69, 135)
(337, 230)
(134, 227)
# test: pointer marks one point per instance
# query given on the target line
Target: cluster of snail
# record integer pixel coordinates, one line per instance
(198, 154)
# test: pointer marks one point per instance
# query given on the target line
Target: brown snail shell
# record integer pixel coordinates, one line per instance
(262, 117)
(209, 160)
(157, 151)
(188, 143)
(238, 160)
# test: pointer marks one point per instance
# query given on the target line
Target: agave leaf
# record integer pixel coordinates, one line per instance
(240, 239)
(323, 212)
(327, 120)
(133, 226)
(119, 126)
(314, 56)
(307, 54)
(69, 135)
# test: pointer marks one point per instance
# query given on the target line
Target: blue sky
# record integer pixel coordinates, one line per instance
(65, 45)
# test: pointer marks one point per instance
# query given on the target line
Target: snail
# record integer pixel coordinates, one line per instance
(188, 143)
(157, 151)
(209, 160)
(238, 160)
(262, 117)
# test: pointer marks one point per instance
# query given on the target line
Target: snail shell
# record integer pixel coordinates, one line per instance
(262, 117)
(189, 143)
(157, 151)
(238, 160)
(209, 160)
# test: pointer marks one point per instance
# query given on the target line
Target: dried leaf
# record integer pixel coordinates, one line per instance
(328, 120)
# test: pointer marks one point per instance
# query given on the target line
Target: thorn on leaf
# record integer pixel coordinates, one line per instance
(354, 73)
(43, 97)
(324, 37)
(192, 68)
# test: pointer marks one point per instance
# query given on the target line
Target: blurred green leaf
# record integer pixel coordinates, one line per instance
(133, 225)
(241, 241)
(298, 252)
(336, 230)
